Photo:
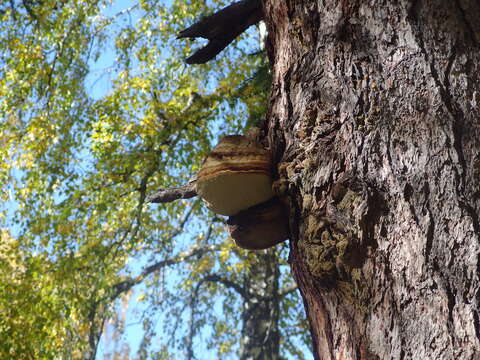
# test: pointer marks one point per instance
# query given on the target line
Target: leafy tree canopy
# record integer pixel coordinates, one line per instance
(77, 164)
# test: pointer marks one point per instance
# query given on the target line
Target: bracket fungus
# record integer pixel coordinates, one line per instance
(235, 175)
(236, 180)
(261, 226)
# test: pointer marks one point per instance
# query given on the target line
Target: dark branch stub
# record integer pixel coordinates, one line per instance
(222, 28)
(171, 194)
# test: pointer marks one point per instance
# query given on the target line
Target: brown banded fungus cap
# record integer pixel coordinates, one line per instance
(235, 176)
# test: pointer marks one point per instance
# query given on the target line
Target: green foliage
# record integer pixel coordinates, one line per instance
(76, 165)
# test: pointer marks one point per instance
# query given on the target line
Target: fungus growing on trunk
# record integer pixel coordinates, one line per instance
(236, 180)
(236, 175)
(260, 226)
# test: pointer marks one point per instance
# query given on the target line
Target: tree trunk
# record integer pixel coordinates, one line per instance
(260, 329)
(374, 121)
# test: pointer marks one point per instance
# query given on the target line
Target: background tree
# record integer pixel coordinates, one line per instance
(78, 239)
(374, 118)
(373, 122)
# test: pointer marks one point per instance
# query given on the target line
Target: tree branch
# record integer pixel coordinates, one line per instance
(228, 283)
(222, 28)
(126, 285)
(171, 194)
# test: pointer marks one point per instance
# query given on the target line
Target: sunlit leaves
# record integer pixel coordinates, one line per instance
(76, 164)
(34, 318)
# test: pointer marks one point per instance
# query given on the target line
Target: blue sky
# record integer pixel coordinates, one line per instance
(98, 84)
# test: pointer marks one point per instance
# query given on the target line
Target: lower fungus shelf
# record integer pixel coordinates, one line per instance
(261, 226)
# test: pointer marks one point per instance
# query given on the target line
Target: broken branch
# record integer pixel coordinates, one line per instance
(171, 194)
(222, 27)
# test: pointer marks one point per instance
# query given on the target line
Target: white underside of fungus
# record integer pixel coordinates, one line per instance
(230, 192)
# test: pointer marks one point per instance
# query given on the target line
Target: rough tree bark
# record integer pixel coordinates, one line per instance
(374, 119)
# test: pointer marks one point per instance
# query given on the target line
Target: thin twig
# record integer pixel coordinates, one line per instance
(126, 285)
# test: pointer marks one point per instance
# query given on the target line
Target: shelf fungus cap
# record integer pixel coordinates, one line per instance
(261, 226)
(235, 175)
